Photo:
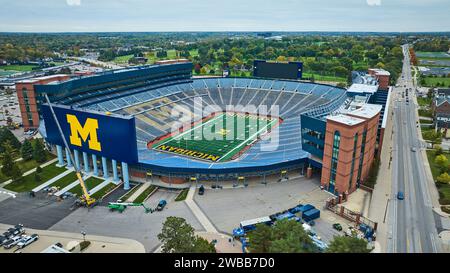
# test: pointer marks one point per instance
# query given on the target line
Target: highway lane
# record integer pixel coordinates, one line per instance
(411, 222)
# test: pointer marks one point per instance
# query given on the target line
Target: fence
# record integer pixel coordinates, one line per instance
(332, 205)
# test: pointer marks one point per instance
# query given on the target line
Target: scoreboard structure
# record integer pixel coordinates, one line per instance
(274, 70)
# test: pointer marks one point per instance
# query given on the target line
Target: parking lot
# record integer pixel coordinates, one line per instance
(40, 212)
(98, 243)
(226, 208)
(133, 223)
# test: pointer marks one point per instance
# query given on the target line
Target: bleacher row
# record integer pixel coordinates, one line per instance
(152, 107)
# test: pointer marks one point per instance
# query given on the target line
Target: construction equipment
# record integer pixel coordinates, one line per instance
(85, 200)
(120, 207)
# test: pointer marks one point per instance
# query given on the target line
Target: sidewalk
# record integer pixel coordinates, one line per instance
(382, 191)
(51, 181)
(138, 192)
(198, 213)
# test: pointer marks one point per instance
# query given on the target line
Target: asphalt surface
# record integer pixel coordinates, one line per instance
(411, 221)
(226, 208)
(40, 212)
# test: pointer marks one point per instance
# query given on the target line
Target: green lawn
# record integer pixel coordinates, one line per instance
(425, 113)
(444, 190)
(130, 192)
(90, 183)
(431, 81)
(193, 52)
(65, 181)
(123, 59)
(423, 54)
(28, 182)
(318, 77)
(182, 195)
(21, 68)
(424, 101)
(104, 191)
(144, 194)
(26, 166)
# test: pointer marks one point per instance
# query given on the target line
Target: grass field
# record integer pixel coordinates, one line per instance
(21, 68)
(65, 181)
(144, 194)
(218, 138)
(182, 195)
(104, 191)
(432, 81)
(90, 183)
(123, 59)
(318, 77)
(29, 182)
(130, 192)
(422, 54)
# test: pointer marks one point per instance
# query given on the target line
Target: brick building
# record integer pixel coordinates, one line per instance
(382, 76)
(28, 101)
(349, 151)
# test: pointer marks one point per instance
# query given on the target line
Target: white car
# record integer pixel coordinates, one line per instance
(12, 242)
(27, 240)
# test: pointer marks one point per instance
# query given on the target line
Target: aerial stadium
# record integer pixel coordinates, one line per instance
(133, 121)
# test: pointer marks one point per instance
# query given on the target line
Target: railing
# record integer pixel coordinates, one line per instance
(332, 204)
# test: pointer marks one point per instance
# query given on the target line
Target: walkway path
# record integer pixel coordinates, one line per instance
(201, 217)
(51, 181)
(71, 185)
(138, 192)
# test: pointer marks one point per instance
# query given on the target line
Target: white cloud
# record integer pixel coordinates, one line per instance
(73, 2)
(374, 2)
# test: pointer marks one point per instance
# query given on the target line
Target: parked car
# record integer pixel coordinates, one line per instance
(12, 242)
(400, 195)
(201, 190)
(413, 149)
(337, 226)
(27, 240)
(3, 239)
(161, 205)
(16, 230)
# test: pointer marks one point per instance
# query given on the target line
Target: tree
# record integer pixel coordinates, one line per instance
(341, 244)
(27, 150)
(442, 162)
(7, 161)
(202, 245)
(290, 237)
(16, 173)
(438, 150)
(39, 152)
(260, 239)
(286, 236)
(177, 236)
(444, 178)
(7, 136)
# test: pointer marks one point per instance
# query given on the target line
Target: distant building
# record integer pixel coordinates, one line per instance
(174, 61)
(441, 108)
(138, 60)
(382, 76)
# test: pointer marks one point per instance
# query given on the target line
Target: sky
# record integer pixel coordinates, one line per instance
(224, 15)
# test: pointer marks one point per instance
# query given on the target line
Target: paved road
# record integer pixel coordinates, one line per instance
(411, 221)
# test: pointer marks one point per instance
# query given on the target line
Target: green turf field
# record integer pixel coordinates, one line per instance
(217, 138)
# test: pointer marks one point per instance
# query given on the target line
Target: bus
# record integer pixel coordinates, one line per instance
(249, 225)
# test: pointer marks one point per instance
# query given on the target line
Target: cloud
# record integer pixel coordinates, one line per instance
(73, 2)
(374, 2)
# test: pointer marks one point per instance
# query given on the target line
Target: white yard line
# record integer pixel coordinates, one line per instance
(182, 134)
(244, 142)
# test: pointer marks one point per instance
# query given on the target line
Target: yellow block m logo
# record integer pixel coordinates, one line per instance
(89, 129)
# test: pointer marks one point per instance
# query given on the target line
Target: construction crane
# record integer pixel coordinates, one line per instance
(85, 200)
(120, 207)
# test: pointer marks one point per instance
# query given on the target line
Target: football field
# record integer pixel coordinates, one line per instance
(218, 138)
